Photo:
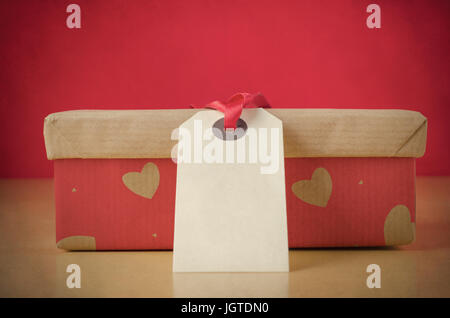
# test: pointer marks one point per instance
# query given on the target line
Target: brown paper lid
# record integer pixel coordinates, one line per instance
(307, 133)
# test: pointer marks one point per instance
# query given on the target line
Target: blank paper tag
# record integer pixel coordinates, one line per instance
(230, 210)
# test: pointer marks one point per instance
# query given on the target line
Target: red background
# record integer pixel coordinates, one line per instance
(169, 54)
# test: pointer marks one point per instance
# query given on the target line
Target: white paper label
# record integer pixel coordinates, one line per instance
(230, 209)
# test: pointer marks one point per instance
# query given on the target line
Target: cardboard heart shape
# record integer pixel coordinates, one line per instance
(398, 228)
(144, 183)
(77, 242)
(316, 191)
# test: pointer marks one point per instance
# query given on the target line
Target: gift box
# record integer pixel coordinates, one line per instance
(350, 176)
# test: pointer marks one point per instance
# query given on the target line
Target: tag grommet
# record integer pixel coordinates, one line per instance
(229, 134)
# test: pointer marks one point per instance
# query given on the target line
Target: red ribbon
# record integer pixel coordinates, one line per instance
(232, 108)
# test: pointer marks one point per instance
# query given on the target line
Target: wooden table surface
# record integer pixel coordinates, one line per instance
(32, 266)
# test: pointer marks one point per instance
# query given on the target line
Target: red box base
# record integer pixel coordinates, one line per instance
(92, 201)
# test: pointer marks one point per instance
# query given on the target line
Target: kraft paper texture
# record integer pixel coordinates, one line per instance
(229, 217)
(307, 133)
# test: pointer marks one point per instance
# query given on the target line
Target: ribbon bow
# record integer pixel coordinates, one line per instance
(232, 108)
